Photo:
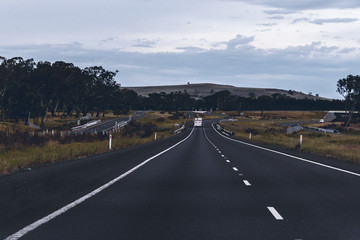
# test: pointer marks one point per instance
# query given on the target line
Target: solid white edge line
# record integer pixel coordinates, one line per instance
(275, 213)
(64, 209)
(288, 155)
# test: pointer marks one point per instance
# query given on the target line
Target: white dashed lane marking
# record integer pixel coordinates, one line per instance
(246, 182)
(235, 169)
(275, 213)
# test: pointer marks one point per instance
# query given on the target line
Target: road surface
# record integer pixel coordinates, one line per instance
(205, 187)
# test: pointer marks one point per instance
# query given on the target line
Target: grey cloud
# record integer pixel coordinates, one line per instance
(326, 20)
(276, 17)
(108, 39)
(239, 41)
(191, 49)
(306, 68)
(145, 43)
(296, 20)
(269, 24)
(333, 20)
(347, 50)
(306, 4)
(279, 11)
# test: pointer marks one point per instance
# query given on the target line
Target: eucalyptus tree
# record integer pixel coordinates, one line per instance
(14, 73)
(349, 88)
(100, 88)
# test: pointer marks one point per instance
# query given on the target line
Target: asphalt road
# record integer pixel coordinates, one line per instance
(206, 187)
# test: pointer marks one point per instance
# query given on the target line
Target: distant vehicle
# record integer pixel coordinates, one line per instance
(198, 122)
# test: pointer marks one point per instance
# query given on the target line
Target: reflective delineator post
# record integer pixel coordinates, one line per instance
(110, 138)
(249, 135)
(301, 140)
(155, 135)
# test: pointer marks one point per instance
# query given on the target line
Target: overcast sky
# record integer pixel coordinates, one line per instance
(305, 45)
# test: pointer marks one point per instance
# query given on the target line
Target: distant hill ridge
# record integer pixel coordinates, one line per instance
(200, 90)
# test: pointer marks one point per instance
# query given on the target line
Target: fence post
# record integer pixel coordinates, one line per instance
(110, 138)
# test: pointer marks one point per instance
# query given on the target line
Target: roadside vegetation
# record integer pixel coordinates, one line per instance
(22, 147)
(41, 101)
(266, 128)
(29, 90)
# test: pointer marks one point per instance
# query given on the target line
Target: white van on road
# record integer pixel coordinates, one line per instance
(198, 122)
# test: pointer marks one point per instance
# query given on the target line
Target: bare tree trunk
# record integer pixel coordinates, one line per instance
(43, 118)
(56, 107)
(2, 115)
(350, 114)
(27, 122)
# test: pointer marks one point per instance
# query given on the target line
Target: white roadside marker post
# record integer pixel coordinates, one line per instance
(250, 136)
(110, 138)
(155, 135)
(301, 140)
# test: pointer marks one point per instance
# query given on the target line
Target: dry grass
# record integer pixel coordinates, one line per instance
(19, 158)
(298, 115)
(15, 158)
(344, 146)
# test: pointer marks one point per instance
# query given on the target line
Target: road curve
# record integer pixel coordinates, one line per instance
(206, 187)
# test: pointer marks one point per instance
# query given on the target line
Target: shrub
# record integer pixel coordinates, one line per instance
(253, 131)
(161, 119)
(142, 130)
(176, 116)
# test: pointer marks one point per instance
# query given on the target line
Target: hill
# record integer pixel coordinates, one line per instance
(206, 89)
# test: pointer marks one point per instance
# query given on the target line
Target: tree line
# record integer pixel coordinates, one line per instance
(30, 89)
(224, 101)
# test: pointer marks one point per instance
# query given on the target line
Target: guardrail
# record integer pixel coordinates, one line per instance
(89, 124)
(322, 130)
(117, 125)
(177, 131)
(223, 131)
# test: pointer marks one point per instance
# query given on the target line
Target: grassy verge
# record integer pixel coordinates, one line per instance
(20, 156)
(345, 146)
(23, 157)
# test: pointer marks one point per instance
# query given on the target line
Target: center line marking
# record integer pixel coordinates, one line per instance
(275, 213)
(235, 169)
(247, 183)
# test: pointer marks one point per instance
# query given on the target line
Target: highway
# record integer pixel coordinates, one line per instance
(196, 185)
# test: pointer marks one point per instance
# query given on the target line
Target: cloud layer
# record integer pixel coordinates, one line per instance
(308, 68)
(306, 4)
(304, 45)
